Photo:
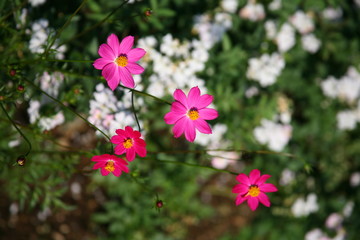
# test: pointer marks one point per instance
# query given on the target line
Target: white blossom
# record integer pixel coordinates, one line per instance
(265, 69)
(302, 22)
(310, 43)
(252, 12)
(346, 120)
(229, 5)
(285, 39)
(302, 207)
(36, 3)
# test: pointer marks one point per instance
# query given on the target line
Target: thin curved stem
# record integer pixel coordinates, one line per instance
(18, 129)
(95, 25)
(191, 165)
(133, 109)
(146, 94)
(63, 27)
(63, 105)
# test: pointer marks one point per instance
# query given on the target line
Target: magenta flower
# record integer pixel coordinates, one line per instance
(110, 164)
(253, 189)
(117, 61)
(189, 113)
(129, 141)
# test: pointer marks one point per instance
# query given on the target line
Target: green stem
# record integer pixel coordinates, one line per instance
(192, 165)
(63, 105)
(147, 95)
(13, 123)
(62, 28)
(13, 10)
(133, 109)
(75, 61)
(95, 25)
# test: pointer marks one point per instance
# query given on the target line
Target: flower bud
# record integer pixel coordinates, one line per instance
(20, 88)
(159, 203)
(12, 72)
(21, 160)
(148, 12)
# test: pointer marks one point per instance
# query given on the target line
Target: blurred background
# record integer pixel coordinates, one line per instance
(286, 83)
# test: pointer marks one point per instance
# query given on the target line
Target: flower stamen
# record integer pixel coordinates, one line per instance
(193, 114)
(122, 60)
(110, 166)
(128, 143)
(254, 191)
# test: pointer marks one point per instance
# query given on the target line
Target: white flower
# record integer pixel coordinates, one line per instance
(348, 209)
(36, 3)
(287, 176)
(270, 28)
(252, 12)
(310, 43)
(221, 159)
(334, 220)
(355, 179)
(302, 22)
(285, 39)
(48, 123)
(275, 5)
(274, 135)
(329, 87)
(252, 91)
(33, 110)
(265, 69)
(229, 5)
(331, 13)
(50, 83)
(302, 208)
(346, 120)
(315, 234)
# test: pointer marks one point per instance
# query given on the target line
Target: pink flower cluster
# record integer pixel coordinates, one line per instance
(188, 113)
(128, 141)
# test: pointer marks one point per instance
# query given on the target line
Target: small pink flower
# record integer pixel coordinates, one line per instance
(253, 189)
(189, 113)
(129, 141)
(110, 164)
(118, 61)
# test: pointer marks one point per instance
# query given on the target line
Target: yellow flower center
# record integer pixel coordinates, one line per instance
(254, 191)
(121, 61)
(128, 143)
(193, 114)
(110, 166)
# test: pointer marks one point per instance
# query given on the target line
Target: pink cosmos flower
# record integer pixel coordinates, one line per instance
(110, 164)
(189, 113)
(253, 189)
(117, 61)
(129, 141)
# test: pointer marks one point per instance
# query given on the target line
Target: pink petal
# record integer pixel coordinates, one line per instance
(121, 132)
(115, 80)
(141, 151)
(268, 187)
(262, 179)
(208, 113)
(202, 126)
(179, 127)
(99, 165)
(117, 172)
(190, 132)
(117, 139)
(101, 62)
(171, 117)
(193, 97)
(240, 189)
(254, 176)
(126, 44)
(124, 168)
(113, 42)
(106, 52)
(242, 178)
(180, 96)
(109, 71)
(204, 101)
(140, 142)
(178, 108)
(129, 130)
(253, 203)
(99, 158)
(130, 154)
(119, 149)
(135, 134)
(104, 172)
(135, 54)
(134, 68)
(126, 78)
(239, 200)
(264, 199)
